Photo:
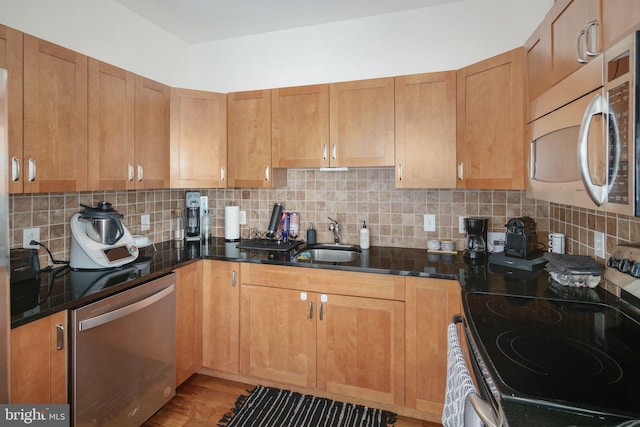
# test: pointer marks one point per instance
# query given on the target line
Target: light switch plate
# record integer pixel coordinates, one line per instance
(461, 224)
(599, 244)
(242, 218)
(429, 223)
(145, 222)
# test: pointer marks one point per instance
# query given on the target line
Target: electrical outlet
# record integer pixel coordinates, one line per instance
(461, 224)
(29, 234)
(599, 244)
(429, 223)
(145, 222)
(242, 218)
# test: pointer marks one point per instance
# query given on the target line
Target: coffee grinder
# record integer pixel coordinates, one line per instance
(475, 247)
(192, 221)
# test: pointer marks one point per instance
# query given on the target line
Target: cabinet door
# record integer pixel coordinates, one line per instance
(361, 348)
(11, 59)
(151, 129)
(362, 123)
(568, 18)
(39, 361)
(300, 127)
(278, 335)
(198, 139)
(538, 62)
(490, 114)
(221, 322)
(430, 305)
(249, 140)
(111, 132)
(188, 320)
(619, 18)
(55, 118)
(425, 106)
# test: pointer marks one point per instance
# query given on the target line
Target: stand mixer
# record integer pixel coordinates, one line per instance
(99, 240)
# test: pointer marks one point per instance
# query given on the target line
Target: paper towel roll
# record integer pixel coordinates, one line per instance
(232, 223)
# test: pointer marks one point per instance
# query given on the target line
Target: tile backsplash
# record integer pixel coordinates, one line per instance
(394, 216)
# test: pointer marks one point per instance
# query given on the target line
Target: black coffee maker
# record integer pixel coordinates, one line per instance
(475, 247)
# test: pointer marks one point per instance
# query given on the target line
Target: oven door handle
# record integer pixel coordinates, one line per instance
(484, 410)
(124, 311)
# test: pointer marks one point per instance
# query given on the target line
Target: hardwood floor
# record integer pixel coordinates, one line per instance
(203, 400)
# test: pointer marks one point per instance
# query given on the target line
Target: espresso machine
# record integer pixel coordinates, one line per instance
(475, 247)
(192, 220)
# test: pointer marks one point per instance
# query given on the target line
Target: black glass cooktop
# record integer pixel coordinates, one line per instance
(578, 354)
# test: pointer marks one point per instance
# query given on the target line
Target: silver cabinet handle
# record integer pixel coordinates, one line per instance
(130, 174)
(140, 172)
(532, 160)
(266, 173)
(15, 169)
(324, 151)
(579, 57)
(460, 171)
(334, 152)
(591, 39)
(222, 174)
(233, 278)
(59, 336)
(597, 193)
(32, 170)
(399, 171)
(310, 309)
(321, 311)
(126, 310)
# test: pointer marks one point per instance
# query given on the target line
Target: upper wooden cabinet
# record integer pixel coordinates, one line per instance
(361, 123)
(151, 129)
(490, 126)
(55, 118)
(425, 129)
(249, 141)
(11, 59)
(300, 127)
(111, 127)
(39, 359)
(619, 18)
(538, 63)
(198, 139)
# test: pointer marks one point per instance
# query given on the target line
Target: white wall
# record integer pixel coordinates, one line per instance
(438, 38)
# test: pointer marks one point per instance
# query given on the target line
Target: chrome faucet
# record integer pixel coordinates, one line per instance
(335, 228)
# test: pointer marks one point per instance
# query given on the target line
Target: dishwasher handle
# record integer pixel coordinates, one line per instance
(124, 311)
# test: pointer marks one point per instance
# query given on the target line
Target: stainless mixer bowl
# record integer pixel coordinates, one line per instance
(102, 230)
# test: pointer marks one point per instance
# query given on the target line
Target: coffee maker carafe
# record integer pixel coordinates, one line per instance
(192, 222)
(475, 247)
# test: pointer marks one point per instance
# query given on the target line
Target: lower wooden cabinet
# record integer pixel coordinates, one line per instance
(221, 320)
(38, 361)
(298, 333)
(188, 320)
(430, 305)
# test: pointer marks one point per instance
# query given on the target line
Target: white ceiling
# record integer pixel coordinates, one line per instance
(197, 21)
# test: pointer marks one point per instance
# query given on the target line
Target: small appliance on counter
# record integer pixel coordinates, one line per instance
(521, 240)
(99, 240)
(475, 247)
(192, 223)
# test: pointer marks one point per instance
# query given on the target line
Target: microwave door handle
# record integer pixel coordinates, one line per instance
(614, 132)
(532, 160)
(596, 193)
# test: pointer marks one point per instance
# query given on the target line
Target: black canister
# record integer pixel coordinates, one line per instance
(311, 235)
(274, 222)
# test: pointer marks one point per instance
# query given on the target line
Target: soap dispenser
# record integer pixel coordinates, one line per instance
(364, 236)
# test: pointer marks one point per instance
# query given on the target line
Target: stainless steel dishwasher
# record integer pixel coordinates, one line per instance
(123, 360)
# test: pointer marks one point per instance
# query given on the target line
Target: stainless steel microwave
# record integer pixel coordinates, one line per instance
(583, 135)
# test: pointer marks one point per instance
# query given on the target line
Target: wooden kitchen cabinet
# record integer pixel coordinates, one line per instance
(55, 118)
(39, 354)
(11, 59)
(338, 332)
(619, 18)
(249, 141)
(221, 316)
(361, 123)
(151, 130)
(300, 127)
(111, 143)
(430, 305)
(189, 320)
(490, 123)
(425, 130)
(198, 139)
(538, 62)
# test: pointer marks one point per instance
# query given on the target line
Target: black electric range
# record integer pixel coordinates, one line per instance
(560, 350)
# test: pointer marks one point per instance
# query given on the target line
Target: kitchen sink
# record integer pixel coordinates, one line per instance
(329, 253)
